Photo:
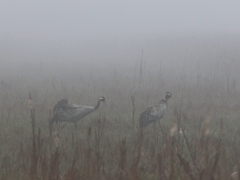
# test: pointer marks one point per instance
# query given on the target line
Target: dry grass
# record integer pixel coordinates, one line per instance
(197, 139)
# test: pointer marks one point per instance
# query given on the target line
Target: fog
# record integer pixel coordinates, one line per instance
(60, 38)
(131, 53)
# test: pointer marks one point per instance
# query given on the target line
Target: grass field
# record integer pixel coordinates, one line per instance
(197, 138)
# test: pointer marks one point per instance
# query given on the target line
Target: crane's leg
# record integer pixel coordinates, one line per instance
(163, 135)
(75, 124)
(64, 126)
(155, 126)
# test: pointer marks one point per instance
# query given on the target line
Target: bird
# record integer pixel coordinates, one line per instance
(154, 112)
(71, 113)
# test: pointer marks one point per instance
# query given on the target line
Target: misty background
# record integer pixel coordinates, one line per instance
(52, 39)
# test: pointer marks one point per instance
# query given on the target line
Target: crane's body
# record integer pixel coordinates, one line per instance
(154, 112)
(64, 112)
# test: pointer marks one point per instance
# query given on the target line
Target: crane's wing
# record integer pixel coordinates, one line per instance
(152, 114)
(71, 113)
(147, 116)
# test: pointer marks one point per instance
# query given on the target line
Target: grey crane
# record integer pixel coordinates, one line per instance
(154, 112)
(64, 112)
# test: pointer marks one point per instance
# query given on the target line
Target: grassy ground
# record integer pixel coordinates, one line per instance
(197, 139)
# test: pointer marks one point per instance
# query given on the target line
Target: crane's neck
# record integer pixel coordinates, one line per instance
(165, 100)
(98, 104)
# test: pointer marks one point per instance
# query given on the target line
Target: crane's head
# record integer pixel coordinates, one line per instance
(168, 95)
(102, 99)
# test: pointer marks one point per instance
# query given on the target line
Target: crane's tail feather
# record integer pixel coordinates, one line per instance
(146, 118)
(143, 119)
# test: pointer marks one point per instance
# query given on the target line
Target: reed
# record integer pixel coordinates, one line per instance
(198, 138)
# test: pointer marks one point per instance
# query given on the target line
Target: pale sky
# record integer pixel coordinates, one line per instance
(58, 19)
(69, 34)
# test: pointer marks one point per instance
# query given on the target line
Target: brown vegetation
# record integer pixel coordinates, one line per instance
(197, 139)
